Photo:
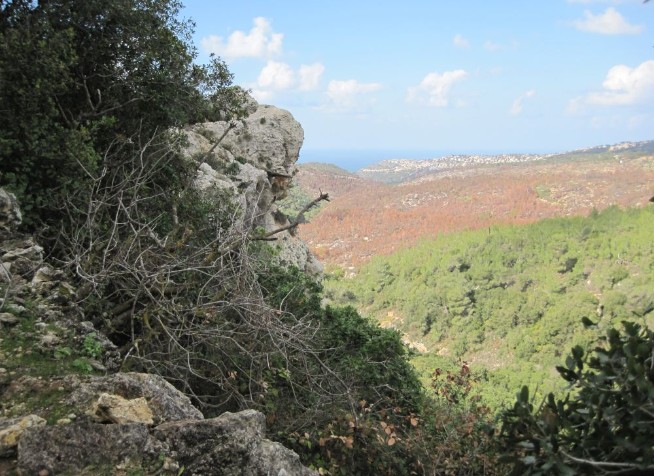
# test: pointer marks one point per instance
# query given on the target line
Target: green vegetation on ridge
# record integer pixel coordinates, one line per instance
(510, 300)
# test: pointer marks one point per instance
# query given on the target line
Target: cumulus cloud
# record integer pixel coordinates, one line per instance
(611, 22)
(347, 95)
(460, 41)
(276, 76)
(310, 75)
(622, 86)
(435, 88)
(516, 107)
(260, 42)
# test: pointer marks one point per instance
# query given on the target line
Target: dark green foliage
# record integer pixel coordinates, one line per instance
(80, 78)
(369, 386)
(605, 424)
(375, 356)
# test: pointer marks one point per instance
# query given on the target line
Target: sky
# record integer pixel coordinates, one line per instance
(380, 79)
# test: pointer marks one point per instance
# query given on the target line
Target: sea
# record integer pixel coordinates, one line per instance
(356, 159)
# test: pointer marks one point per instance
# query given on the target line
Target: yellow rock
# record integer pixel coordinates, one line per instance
(12, 428)
(116, 409)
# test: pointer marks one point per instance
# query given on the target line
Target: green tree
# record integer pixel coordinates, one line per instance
(82, 78)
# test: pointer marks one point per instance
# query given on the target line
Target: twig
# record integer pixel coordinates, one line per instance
(297, 220)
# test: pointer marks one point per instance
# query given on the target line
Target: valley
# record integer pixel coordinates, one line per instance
(492, 262)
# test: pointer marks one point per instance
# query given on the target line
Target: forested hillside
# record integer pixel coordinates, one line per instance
(510, 300)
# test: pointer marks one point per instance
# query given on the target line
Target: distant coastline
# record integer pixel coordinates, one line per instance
(353, 160)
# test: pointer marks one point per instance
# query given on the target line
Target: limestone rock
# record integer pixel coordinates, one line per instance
(164, 401)
(255, 161)
(46, 274)
(231, 444)
(22, 256)
(11, 430)
(116, 409)
(10, 216)
(275, 458)
(7, 319)
(76, 448)
(50, 339)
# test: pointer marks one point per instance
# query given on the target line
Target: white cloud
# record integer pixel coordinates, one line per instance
(346, 95)
(608, 23)
(516, 107)
(460, 41)
(310, 76)
(623, 86)
(262, 96)
(575, 105)
(260, 42)
(435, 87)
(276, 76)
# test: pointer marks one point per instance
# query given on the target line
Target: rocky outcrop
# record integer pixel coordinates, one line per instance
(121, 397)
(255, 160)
(11, 430)
(146, 426)
(231, 444)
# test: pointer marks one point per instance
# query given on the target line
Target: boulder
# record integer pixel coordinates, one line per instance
(11, 430)
(231, 444)
(163, 401)
(85, 448)
(21, 257)
(7, 319)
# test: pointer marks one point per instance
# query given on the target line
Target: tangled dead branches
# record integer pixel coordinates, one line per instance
(171, 274)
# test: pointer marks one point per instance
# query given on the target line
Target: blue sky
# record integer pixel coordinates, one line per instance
(420, 77)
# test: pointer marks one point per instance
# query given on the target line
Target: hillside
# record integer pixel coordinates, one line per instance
(510, 301)
(377, 218)
(314, 176)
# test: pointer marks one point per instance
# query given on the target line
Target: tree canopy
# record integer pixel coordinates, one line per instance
(78, 77)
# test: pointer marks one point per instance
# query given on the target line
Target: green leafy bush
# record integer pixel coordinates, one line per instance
(604, 425)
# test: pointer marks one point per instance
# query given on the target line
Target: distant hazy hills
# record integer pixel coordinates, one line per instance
(403, 170)
(393, 204)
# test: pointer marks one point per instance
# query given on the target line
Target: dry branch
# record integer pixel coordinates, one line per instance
(297, 220)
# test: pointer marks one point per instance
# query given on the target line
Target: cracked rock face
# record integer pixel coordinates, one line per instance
(255, 160)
